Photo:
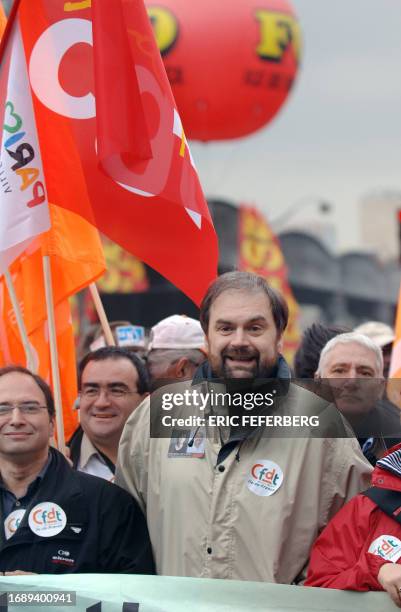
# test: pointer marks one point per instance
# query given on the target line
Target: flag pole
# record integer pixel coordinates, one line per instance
(30, 361)
(102, 315)
(53, 352)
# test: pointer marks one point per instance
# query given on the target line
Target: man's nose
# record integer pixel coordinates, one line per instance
(239, 338)
(16, 417)
(102, 399)
(351, 379)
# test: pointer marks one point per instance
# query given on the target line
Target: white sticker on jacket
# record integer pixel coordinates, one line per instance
(12, 522)
(264, 478)
(47, 519)
(386, 546)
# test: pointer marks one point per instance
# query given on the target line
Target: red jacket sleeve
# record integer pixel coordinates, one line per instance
(339, 558)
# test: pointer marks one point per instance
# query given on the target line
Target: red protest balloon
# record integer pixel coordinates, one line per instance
(231, 63)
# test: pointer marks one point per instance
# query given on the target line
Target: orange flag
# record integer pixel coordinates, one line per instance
(73, 244)
(260, 252)
(76, 259)
(394, 381)
(3, 19)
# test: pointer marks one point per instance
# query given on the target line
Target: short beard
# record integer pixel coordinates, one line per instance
(258, 372)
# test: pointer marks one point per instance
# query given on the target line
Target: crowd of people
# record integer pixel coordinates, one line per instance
(215, 493)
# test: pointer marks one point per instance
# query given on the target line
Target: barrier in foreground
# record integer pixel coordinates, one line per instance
(125, 593)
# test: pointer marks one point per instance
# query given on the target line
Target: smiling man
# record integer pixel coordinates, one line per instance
(112, 381)
(55, 520)
(244, 504)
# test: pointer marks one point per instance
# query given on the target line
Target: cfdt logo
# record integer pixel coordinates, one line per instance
(47, 519)
(386, 546)
(12, 522)
(265, 478)
(260, 472)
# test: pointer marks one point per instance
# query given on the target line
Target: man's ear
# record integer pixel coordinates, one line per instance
(181, 368)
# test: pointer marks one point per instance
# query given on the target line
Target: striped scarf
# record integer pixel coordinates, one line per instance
(391, 463)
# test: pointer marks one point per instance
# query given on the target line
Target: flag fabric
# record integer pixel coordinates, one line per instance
(124, 274)
(12, 351)
(394, 380)
(395, 365)
(76, 256)
(24, 207)
(260, 252)
(72, 243)
(3, 19)
(113, 146)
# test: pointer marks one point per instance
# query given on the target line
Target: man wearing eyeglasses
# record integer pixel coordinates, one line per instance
(53, 519)
(112, 381)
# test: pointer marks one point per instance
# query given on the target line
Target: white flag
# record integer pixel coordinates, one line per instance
(24, 211)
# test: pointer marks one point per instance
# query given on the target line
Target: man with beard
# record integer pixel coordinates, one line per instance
(251, 504)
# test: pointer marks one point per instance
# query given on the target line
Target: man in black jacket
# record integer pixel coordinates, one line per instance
(53, 519)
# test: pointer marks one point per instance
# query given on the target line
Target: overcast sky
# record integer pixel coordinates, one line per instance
(338, 137)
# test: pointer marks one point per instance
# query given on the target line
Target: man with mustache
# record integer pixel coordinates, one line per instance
(251, 504)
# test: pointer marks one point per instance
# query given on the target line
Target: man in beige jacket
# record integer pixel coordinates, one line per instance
(245, 502)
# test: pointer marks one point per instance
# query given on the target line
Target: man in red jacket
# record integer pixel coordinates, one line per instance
(360, 549)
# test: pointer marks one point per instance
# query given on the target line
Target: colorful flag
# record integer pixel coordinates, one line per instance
(77, 259)
(72, 243)
(12, 351)
(120, 159)
(394, 380)
(124, 274)
(260, 252)
(3, 19)
(24, 207)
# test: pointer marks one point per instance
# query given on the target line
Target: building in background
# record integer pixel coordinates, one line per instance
(346, 289)
(379, 213)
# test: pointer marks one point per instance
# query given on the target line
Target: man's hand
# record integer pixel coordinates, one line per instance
(389, 577)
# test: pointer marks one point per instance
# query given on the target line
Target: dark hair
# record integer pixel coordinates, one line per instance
(43, 386)
(116, 352)
(244, 281)
(313, 341)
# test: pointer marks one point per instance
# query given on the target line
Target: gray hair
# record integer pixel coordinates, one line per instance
(357, 338)
(171, 356)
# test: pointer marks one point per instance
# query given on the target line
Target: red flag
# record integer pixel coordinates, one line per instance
(121, 160)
